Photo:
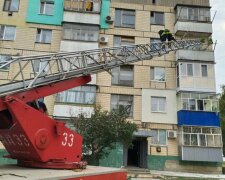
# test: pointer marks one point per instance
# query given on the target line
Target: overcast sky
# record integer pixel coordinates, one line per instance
(218, 7)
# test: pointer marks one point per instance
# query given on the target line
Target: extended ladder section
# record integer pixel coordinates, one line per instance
(34, 71)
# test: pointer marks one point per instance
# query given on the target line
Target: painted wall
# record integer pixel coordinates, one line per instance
(105, 11)
(115, 157)
(168, 117)
(33, 15)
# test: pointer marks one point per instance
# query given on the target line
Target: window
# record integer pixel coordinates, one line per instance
(157, 18)
(4, 58)
(80, 95)
(158, 136)
(153, 1)
(158, 104)
(123, 75)
(122, 100)
(204, 70)
(122, 41)
(124, 18)
(157, 74)
(47, 7)
(81, 5)
(190, 69)
(202, 136)
(11, 5)
(7, 32)
(193, 13)
(44, 36)
(199, 102)
(80, 32)
(39, 65)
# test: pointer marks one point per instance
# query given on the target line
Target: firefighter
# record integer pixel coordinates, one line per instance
(166, 35)
(162, 35)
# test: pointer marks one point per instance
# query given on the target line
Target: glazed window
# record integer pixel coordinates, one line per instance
(44, 36)
(122, 100)
(123, 75)
(46, 7)
(157, 18)
(7, 33)
(158, 104)
(125, 18)
(11, 5)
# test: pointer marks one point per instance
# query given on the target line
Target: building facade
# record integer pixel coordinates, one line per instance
(172, 98)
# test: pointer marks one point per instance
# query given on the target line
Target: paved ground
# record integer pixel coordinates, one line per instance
(159, 175)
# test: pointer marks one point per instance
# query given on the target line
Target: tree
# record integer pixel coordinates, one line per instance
(102, 130)
(222, 115)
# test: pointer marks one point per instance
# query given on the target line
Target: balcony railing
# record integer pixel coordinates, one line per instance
(83, 5)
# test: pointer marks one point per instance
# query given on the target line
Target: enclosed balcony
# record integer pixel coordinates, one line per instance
(82, 11)
(198, 143)
(193, 21)
(196, 76)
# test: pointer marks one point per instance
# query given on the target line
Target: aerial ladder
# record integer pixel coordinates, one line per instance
(33, 138)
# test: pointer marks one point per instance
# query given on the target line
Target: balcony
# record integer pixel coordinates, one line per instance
(78, 11)
(193, 21)
(198, 118)
(90, 6)
(195, 55)
(196, 76)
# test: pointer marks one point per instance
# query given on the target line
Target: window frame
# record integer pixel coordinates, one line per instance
(44, 7)
(157, 142)
(10, 6)
(41, 36)
(208, 103)
(1, 60)
(120, 101)
(4, 27)
(120, 13)
(74, 32)
(204, 74)
(200, 134)
(158, 108)
(186, 15)
(77, 93)
(153, 18)
(118, 74)
(153, 71)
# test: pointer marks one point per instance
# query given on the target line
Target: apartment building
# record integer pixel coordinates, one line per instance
(172, 98)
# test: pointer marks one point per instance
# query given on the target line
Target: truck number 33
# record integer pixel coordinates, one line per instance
(67, 139)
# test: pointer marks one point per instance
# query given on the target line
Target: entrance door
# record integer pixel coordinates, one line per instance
(137, 155)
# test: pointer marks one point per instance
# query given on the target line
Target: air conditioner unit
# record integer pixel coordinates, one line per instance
(109, 19)
(103, 39)
(171, 134)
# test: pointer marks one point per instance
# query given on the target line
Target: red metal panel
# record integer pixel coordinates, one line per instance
(108, 176)
(33, 138)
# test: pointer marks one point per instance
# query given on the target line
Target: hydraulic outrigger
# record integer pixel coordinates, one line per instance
(33, 138)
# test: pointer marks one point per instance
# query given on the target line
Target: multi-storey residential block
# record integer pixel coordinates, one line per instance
(172, 98)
